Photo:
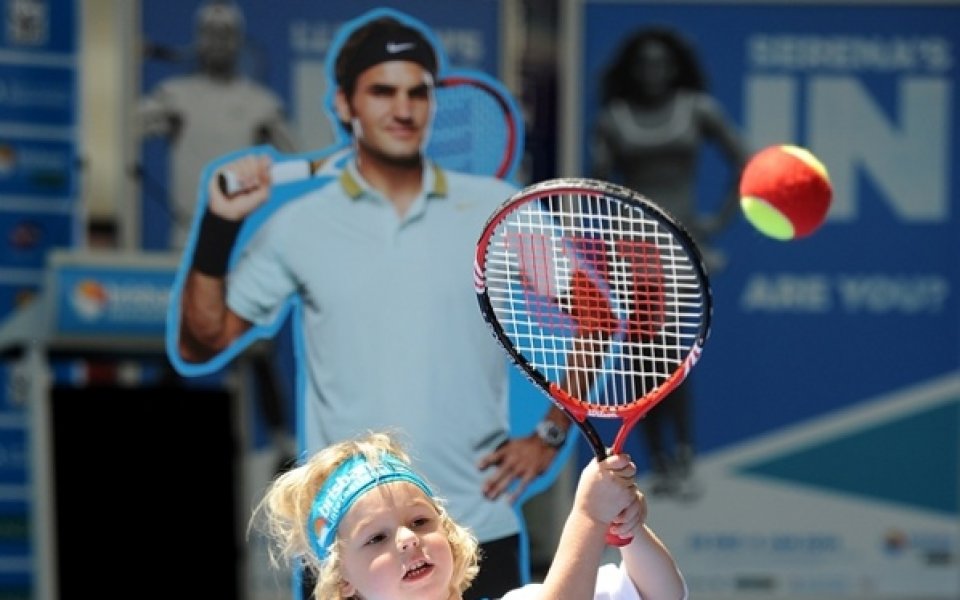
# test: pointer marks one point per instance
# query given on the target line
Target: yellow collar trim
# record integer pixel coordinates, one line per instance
(354, 189)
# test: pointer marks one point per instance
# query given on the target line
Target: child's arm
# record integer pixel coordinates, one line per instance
(651, 567)
(606, 493)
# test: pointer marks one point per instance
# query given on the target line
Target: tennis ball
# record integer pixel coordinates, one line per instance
(785, 192)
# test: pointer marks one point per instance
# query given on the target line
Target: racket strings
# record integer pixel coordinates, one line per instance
(473, 129)
(597, 294)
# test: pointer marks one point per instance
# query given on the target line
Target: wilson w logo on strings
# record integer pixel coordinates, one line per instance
(577, 286)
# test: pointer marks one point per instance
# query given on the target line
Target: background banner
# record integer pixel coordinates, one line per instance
(826, 405)
(39, 211)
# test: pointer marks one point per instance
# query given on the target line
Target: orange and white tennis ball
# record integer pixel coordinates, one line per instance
(785, 192)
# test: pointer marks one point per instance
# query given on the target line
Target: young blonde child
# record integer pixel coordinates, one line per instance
(371, 528)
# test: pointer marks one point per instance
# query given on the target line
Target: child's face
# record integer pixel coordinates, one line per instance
(393, 546)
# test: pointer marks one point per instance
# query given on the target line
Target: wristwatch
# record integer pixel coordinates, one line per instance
(551, 434)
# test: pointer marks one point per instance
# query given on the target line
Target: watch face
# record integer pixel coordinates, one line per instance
(551, 433)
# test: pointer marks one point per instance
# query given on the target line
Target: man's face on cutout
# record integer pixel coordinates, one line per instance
(391, 110)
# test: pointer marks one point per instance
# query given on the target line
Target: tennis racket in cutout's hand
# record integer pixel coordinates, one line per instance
(598, 295)
(477, 128)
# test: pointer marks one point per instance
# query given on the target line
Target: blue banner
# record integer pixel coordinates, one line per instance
(828, 387)
(39, 89)
(111, 302)
(38, 94)
(28, 236)
(40, 169)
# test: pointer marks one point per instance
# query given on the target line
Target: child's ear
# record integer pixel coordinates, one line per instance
(347, 589)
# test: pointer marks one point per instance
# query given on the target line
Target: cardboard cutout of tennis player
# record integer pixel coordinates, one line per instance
(476, 128)
(369, 246)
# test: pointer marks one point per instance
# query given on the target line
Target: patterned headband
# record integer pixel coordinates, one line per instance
(353, 478)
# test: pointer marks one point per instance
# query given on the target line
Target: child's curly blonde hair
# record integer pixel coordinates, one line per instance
(283, 514)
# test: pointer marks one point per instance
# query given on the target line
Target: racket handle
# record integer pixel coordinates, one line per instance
(282, 172)
(617, 541)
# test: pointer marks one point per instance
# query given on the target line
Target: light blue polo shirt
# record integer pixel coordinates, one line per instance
(393, 338)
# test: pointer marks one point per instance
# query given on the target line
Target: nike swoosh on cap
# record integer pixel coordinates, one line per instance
(394, 47)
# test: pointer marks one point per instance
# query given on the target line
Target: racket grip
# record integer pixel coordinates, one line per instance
(617, 541)
(283, 172)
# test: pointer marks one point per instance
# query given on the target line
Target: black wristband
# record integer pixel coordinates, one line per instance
(214, 244)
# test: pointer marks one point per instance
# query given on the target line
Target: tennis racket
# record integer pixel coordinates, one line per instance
(476, 129)
(598, 295)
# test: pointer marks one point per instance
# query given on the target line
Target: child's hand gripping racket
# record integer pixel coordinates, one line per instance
(598, 295)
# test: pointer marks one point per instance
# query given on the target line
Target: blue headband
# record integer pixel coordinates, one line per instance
(353, 478)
